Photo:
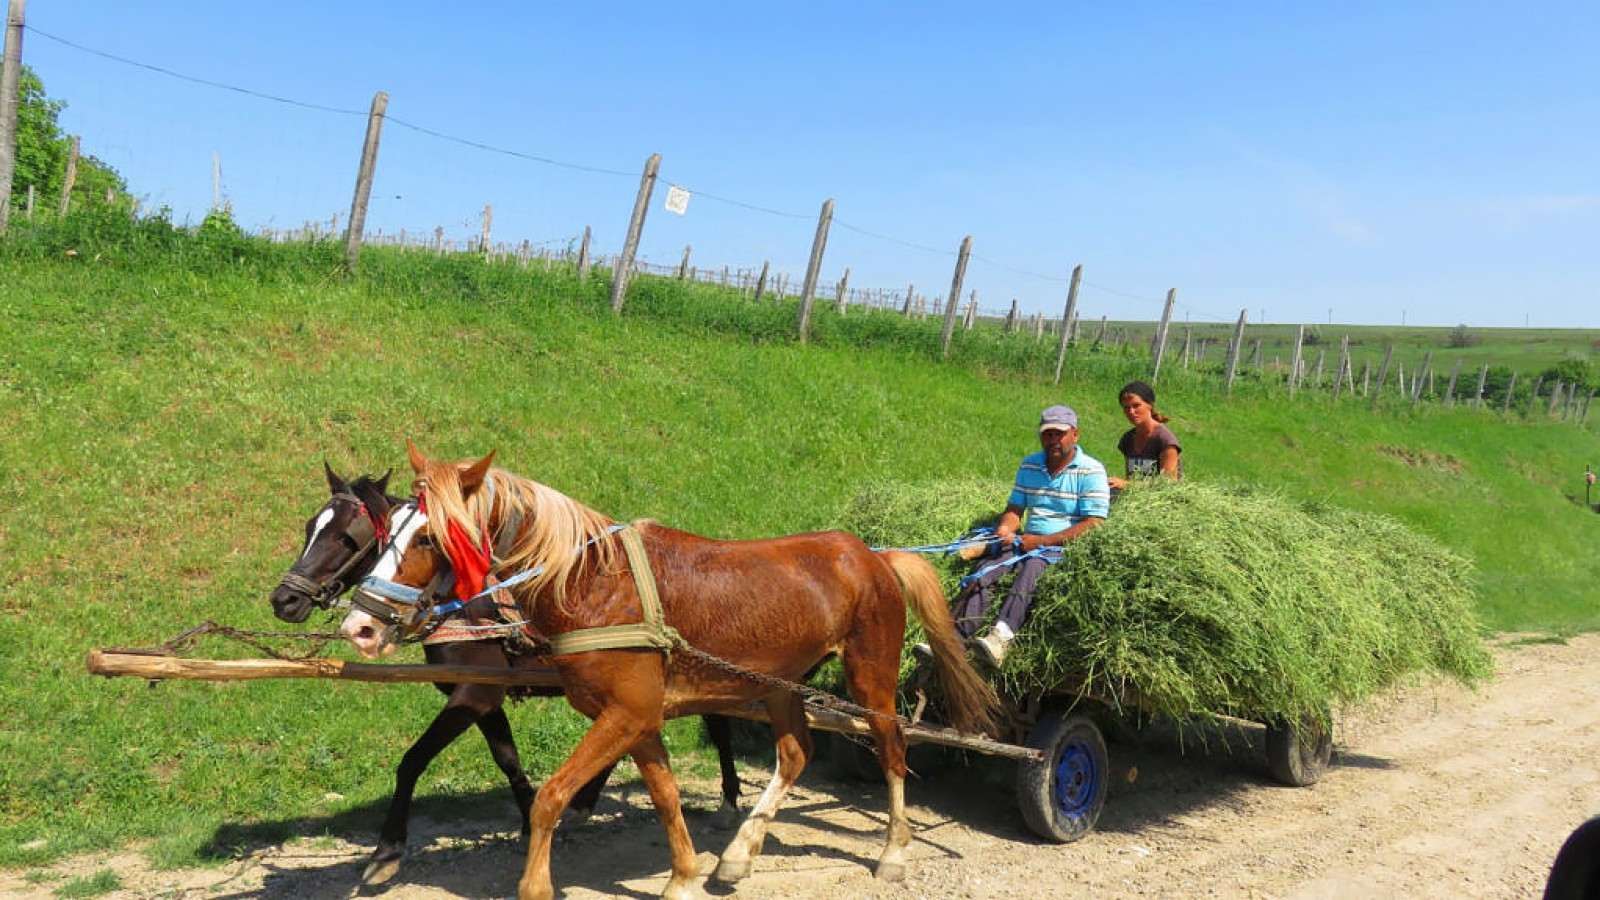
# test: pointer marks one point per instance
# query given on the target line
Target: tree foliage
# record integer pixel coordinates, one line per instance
(1462, 336)
(1573, 372)
(42, 151)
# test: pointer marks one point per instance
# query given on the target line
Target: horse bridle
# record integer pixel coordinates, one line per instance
(421, 611)
(367, 533)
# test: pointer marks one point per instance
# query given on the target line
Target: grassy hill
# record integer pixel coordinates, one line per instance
(167, 400)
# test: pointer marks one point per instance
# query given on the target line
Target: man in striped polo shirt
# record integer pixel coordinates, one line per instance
(1060, 493)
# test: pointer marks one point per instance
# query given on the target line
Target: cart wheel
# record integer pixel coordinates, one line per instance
(1061, 798)
(1299, 754)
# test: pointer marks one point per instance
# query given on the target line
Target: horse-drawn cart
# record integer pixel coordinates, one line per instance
(1063, 770)
(1063, 781)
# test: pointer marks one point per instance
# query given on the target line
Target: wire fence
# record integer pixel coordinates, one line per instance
(425, 166)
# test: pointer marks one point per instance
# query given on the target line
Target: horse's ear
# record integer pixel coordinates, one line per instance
(472, 478)
(418, 461)
(335, 483)
(383, 483)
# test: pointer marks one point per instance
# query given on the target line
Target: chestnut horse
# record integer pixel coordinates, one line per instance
(673, 624)
(362, 530)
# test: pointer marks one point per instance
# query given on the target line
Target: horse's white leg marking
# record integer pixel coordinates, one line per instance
(892, 864)
(746, 844)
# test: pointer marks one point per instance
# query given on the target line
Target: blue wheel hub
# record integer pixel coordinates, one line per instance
(1076, 782)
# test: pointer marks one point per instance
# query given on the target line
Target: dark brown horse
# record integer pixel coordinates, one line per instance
(677, 624)
(362, 528)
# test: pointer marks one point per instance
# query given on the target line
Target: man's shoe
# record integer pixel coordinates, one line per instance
(992, 647)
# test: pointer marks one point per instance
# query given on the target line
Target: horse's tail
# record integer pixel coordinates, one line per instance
(970, 701)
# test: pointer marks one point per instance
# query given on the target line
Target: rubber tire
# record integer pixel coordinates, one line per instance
(1299, 755)
(1061, 798)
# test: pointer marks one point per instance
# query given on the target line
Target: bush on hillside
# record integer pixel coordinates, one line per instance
(1202, 599)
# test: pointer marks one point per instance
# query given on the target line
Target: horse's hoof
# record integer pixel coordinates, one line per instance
(726, 818)
(731, 870)
(383, 865)
(888, 871)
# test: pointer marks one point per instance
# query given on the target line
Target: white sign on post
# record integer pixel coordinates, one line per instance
(677, 199)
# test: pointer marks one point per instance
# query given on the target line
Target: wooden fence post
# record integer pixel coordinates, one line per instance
(1555, 398)
(844, 289)
(683, 267)
(1159, 350)
(10, 102)
(1100, 338)
(1383, 374)
(1068, 317)
(1233, 350)
(1511, 387)
(1455, 372)
(483, 240)
(955, 294)
(623, 268)
(363, 194)
(68, 182)
(761, 282)
(583, 256)
(1011, 317)
(1422, 373)
(911, 290)
(1294, 362)
(1338, 372)
(1534, 397)
(808, 291)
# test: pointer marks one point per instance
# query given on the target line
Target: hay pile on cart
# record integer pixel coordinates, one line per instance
(1216, 600)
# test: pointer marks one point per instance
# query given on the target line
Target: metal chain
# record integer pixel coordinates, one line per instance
(187, 640)
(813, 696)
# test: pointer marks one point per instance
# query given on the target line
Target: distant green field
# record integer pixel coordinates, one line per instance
(167, 400)
(1527, 351)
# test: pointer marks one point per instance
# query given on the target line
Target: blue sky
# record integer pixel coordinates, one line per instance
(1425, 163)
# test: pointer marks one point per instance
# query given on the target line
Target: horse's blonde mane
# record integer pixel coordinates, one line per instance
(556, 530)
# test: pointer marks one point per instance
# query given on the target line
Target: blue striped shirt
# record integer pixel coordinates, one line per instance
(1057, 503)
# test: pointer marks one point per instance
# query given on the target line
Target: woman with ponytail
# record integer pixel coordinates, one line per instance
(1149, 448)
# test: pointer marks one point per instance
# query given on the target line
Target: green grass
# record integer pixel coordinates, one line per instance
(102, 882)
(167, 400)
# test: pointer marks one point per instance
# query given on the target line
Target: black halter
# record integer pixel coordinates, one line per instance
(363, 532)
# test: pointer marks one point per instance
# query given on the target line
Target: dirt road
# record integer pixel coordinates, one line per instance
(1436, 792)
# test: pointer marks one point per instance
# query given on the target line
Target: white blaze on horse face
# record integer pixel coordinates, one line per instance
(364, 632)
(321, 522)
(389, 561)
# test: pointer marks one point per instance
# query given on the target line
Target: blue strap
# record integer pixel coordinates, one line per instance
(981, 535)
(1048, 554)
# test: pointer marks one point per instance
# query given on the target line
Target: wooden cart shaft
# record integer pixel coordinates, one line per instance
(111, 663)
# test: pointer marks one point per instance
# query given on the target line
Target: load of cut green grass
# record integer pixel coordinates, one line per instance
(1201, 599)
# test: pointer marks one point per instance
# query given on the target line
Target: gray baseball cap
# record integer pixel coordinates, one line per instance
(1057, 418)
